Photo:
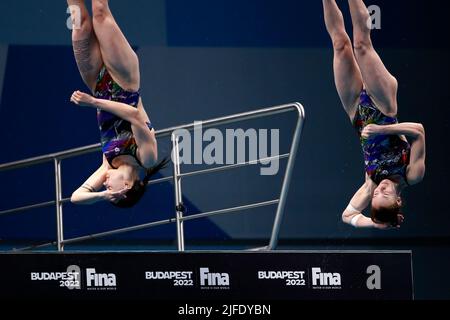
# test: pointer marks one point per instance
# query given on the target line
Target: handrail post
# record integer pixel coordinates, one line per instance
(287, 177)
(179, 207)
(59, 206)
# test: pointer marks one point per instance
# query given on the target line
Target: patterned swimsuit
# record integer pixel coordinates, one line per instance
(116, 135)
(385, 155)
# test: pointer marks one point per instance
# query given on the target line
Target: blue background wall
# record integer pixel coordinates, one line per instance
(201, 59)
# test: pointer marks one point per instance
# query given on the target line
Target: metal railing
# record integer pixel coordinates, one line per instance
(179, 219)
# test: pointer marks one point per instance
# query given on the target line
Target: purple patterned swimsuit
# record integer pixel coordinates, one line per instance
(116, 135)
(385, 155)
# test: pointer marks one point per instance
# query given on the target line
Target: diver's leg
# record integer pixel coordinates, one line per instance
(118, 56)
(347, 75)
(380, 84)
(85, 45)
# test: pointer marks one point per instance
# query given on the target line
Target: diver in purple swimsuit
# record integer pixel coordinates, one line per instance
(394, 152)
(110, 68)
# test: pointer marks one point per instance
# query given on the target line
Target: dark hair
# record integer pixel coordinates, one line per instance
(386, 215)
(139, 187)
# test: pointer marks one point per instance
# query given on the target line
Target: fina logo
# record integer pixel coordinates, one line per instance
(320, 278)
(100, 280)
(213, 279)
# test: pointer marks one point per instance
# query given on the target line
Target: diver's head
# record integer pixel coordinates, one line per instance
(124, 179)
(387, 204)
(135, 182)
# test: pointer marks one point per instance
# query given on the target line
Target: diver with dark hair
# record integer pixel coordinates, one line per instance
(110, 68)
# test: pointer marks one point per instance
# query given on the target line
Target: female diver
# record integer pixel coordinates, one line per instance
(394, 152)
(110, 68)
